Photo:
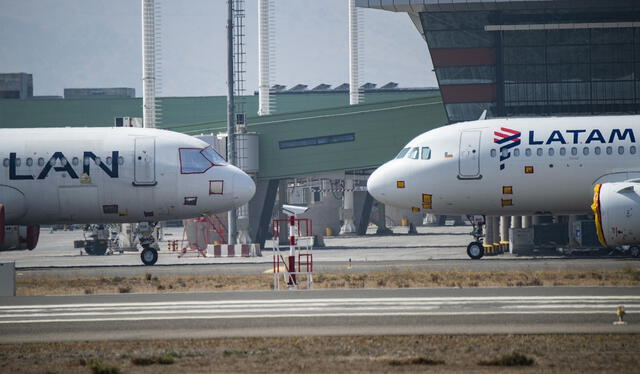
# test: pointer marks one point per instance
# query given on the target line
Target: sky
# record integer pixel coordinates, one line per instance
(97, 43)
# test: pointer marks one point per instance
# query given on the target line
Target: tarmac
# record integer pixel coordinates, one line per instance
(432, 248)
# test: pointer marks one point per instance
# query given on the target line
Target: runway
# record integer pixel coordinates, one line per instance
(317, 313)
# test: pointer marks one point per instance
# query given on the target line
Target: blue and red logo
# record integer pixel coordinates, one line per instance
(506, 139)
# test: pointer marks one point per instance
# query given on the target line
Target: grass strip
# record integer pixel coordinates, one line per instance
(149, 283)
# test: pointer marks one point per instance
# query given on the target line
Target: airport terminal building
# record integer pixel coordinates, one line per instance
(530, 57)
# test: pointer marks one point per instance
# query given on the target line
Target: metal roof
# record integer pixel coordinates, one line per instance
(415, 6)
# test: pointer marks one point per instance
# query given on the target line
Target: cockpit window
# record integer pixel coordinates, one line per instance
(403, 153)
(414, 153)
(192, 161)
(213, 156)
(426, 153)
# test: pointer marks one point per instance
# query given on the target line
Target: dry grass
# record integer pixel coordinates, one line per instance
(628, 276)
(580, 354)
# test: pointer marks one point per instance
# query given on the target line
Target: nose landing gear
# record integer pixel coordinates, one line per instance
(149, 255)
(475, 249)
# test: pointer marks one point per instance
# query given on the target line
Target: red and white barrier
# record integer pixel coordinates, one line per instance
(234, 250)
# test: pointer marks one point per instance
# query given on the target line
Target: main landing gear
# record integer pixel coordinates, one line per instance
(475, 249)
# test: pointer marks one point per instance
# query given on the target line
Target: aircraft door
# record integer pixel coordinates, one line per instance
(144, 172)
(469, 161)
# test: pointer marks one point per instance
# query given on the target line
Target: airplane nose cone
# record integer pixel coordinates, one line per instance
(244, 188)
(376, 185)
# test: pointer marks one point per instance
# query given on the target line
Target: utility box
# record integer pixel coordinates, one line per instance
(551, 234)
(7, 278)
(585, 234)
(521, 240)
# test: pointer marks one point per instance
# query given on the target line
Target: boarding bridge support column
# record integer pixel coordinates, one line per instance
(489, 231)
(516, 222)
(348, 226)
(505, 222)
(366, 214)
(265, 198)
(495, 223)
(526, 222)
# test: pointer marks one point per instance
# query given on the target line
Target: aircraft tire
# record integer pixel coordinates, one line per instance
(634, 251)
(149, 256)
(475, 250)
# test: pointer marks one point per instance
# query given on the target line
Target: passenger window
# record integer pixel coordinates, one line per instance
(609, 150)
(620, 150)
(403, 152)
(192, 161)
(5, 162)
(414, 153)
(98, 160)
(426, 153)
(41, 161)
(597, 150)
(87, 160)
(516, 152)
(585, 151)
(109, 160)
(75, 161)
(562, 151)
(493, 153)
(574, 151)
(632, 149)
(18, 162)
(29, 161)
(527, 152)
(539, 151)
(213, 156)
(120, 160)
(552, 151)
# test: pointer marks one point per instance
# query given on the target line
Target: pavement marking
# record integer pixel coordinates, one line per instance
(319, 315)
(314, 308)
(348, 301)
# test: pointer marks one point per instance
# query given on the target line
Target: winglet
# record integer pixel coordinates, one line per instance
(483, 116)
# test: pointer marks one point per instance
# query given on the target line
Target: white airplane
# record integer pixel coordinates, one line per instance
(523, 166)
(109, 175)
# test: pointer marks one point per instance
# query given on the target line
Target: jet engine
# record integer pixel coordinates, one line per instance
(19, 237)
(617, 213)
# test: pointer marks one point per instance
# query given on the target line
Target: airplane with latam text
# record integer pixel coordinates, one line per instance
(109, 175)
(523, 166)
